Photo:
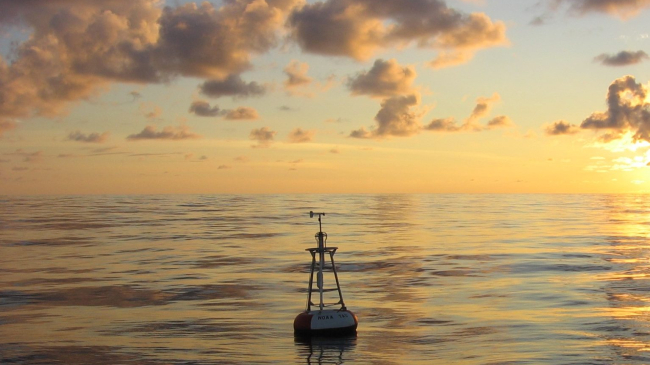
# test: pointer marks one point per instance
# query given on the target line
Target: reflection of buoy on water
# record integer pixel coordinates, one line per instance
(321, 321)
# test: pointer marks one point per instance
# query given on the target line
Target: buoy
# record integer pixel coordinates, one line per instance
(321, 321)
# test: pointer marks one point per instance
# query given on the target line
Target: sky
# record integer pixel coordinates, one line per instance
(332, 96)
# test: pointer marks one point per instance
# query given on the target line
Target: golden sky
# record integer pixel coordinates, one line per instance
(336, 96)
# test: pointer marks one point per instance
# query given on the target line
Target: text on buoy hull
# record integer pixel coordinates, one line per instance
(325, 322)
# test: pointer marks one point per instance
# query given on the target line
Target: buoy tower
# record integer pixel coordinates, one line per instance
(317, 320)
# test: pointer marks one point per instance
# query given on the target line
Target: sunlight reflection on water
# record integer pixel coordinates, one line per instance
(465, 279)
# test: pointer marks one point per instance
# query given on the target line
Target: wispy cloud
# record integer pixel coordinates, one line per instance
(168, 133)
(88, 138)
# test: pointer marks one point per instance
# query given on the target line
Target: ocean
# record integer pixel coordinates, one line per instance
(219, 279)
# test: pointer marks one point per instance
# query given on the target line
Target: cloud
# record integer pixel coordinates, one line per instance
(203, 109)
(233, 85)
(385, 79)
(296, 75)
(623, 9)
(242, 113)
(30, 157)
(150, 110)
(447, 59)
(623, 58)
(298, 135)
(6, 126)
(169, 132)
(77, 47)
(395, 118)
(360, 28)
(264, 136)
(88, 138)
(628, 110)
(561, 127)
(481, 110)
(443, 125)
(501, 121)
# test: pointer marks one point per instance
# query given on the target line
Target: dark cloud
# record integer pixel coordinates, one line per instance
(264, 136)
(561, 127)
(242, 113)
(358, 28)
(6, 125)
(203, 109)
(623, 58)
(88, 138)
(628, 110)
(78, 46)
(385, 79)
(233, 86)
(169, 133)
(298, 135)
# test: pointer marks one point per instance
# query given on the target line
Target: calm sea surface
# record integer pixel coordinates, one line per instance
(218, 279)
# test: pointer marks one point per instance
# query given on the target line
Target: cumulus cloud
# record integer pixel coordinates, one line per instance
(623, 58)
(264, 136)
(168, 133)
(203, 109)
(298, 135)
(78, 46)
(628, 110)
(88, 138)
(233, 85)
(561, 127)
(385, 79)
(6, 125)
(395, 118)
(359, 28)
(242, 113)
